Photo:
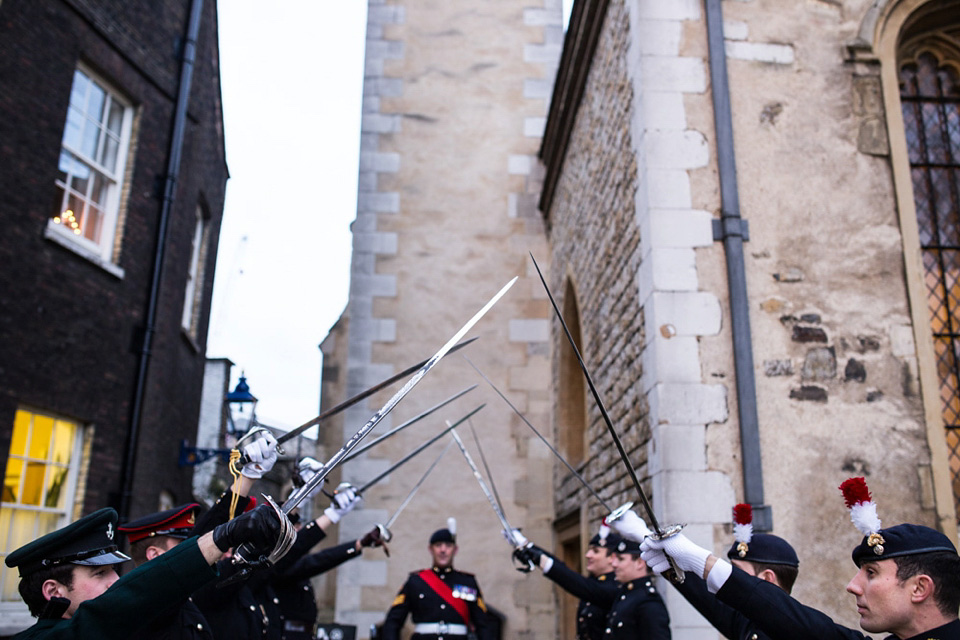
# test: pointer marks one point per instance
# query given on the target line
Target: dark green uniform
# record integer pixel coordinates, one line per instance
(134, 601)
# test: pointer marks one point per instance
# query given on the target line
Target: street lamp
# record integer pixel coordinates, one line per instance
(239, 422)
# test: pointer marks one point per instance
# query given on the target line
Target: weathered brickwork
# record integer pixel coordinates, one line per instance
(596, 243)
(70, 330)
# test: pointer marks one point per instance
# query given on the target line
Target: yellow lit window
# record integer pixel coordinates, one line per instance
(39, 484)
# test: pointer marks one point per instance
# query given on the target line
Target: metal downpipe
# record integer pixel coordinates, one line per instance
(169, 191)
(732, 229)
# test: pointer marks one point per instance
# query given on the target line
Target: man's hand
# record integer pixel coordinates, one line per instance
(688, 556)
(631, 526)
(259, 447)
(307, 468)
(260, 527)
(515, 538)
(345, 498)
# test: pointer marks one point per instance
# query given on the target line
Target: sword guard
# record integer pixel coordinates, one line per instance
(674, 574)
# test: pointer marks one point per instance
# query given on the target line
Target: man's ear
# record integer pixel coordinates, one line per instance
(152, 552)
(767, 575)
(53, 589)
(922, 588)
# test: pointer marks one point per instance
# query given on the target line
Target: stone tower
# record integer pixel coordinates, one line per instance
(455, 101)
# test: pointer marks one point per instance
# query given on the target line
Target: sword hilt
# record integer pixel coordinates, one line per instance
(674, 574)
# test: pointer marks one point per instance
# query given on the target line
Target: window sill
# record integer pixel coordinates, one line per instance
(52, 233)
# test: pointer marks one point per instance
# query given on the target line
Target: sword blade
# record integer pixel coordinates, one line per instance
(483, 485)
(300, 494)
(603, 409)
(406, 424)
(346, 404)
(416, 487)
(677, 573)
(413, 453)
(486, 467)
(545, 441)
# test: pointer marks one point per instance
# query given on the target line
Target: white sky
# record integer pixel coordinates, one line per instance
(292, 82)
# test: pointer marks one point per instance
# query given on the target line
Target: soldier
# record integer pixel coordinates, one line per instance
(598, 586)
(907, 583)
(443, 602)
(153, 535)
(289, 579)
(69, 581)
(765, 556)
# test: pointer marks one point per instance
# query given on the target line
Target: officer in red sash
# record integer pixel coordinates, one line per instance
(443, 602)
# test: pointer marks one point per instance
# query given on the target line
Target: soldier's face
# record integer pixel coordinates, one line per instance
(627, 567)
(883, 602)
(443, 553)
(598, 560)
(88, 583)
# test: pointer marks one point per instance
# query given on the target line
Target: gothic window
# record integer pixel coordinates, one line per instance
(930, 99)
(571, 413)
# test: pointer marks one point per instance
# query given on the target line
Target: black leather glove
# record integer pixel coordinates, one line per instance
(259, 527)
(372, 538)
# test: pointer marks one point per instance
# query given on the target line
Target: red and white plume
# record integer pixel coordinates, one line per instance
(863, 510)
(604, 532)
(452, 526)
(742, 527)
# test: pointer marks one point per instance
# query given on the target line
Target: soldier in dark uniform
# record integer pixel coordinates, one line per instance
(768, 557)
(443, 602)
(149, 538)
(598, 586)
(68, 579)
(907, 584)
(638, 610)
(153, 535)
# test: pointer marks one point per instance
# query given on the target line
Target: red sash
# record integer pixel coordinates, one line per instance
(444, 591)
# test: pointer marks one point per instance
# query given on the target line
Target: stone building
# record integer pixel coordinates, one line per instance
(747, 211)
(114, 175)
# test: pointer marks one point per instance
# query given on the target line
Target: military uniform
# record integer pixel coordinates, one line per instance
(596, 594)
(638, 612)
(761, 548)
(131, 603)
(782, 617)
(182, 621)
(434, 617)
(725, 619)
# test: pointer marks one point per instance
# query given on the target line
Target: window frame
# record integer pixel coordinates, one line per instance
(886, 24)
(104, 252)
(193, 287)
(14, 615)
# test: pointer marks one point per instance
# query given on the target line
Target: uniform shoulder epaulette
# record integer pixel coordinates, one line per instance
(464, 573)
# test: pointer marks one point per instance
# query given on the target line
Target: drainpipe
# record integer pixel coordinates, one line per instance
(169, 190)
(733, 231)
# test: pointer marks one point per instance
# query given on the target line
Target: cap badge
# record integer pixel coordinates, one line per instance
(742, 549)
(110, 531)
(875, 541)
(191, 520)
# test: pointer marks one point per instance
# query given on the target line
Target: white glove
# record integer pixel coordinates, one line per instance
(345, 498)
(631, 526)
(687, 555)
(515, 538)
(260, 448)
(306, 469)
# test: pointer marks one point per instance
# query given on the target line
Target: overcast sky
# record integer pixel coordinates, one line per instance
(292, 81)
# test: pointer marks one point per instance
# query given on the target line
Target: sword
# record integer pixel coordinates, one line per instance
(301, 494)
(545, 441)
(416, 451)
(349, 402)
(677, 573)
(406, 424)
(385, 533)
(493, 503)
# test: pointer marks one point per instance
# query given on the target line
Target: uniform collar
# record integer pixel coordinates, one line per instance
(437, 569)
